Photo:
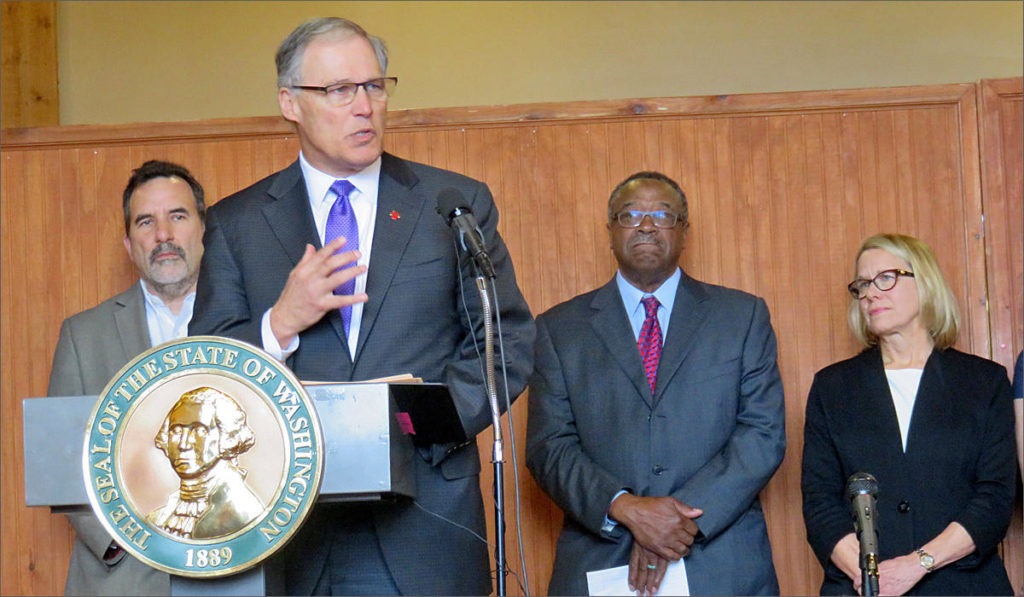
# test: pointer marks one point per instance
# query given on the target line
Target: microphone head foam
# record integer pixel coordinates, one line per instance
(861, 484)
(449, 200)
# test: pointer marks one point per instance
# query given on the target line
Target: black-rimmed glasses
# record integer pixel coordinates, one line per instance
(883, 280)
(633, 218)
(343, 94)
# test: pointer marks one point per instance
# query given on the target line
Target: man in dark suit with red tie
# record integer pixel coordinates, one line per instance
(656, 414)
(340, 266)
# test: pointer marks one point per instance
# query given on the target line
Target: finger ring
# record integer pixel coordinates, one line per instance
(651, 567)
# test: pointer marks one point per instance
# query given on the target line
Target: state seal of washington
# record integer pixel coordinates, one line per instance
(203, 456)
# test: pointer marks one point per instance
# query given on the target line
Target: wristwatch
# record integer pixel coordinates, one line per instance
(927, 560)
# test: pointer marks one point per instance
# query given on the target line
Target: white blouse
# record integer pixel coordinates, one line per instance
(903, 384)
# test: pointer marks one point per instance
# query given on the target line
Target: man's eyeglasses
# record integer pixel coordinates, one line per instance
(633, 218)
(344, 94)
(883, 280)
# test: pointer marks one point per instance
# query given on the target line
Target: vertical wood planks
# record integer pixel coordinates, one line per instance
(782, 189)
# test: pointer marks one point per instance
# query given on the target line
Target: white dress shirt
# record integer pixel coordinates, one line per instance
(903, 384)
(165, 326)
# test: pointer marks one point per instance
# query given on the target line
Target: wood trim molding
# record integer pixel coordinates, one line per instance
(448, 118)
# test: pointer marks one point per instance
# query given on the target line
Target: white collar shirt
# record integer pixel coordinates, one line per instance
(163, 325)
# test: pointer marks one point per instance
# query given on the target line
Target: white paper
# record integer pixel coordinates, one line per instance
(615, 581)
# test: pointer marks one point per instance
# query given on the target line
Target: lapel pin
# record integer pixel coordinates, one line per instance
(395, 215)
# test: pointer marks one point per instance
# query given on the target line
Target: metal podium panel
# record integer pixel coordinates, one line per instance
(367, 454)
(368, 457)
(54, 431)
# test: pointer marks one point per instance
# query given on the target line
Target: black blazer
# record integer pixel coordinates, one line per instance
(959, 465)
(423, 317)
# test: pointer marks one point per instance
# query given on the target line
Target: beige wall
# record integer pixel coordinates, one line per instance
(166, 61)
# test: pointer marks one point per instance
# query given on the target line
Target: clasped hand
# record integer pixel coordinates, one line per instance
(663, 530)
(896, 576)
(309, 292)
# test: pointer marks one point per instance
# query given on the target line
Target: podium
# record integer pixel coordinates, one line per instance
(370, 431)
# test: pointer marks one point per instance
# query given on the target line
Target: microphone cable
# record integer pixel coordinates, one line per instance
(524, 580)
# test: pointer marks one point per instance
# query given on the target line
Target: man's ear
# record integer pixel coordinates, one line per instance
(289, 104)
(127, 245)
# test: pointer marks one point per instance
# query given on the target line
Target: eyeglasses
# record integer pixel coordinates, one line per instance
(633, 218)
(344, 94)
(883, 280)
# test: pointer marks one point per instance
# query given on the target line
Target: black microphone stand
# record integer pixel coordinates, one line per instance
(498, 454)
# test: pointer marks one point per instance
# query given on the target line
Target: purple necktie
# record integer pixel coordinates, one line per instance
(649, 342)
(342, 222)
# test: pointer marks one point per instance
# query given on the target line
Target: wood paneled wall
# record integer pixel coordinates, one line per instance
(1001, 129)
(782, 189)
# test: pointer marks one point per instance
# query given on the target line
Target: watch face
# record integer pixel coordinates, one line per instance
(927, 560)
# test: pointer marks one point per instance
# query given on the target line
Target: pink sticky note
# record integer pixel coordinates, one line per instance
(405, 423)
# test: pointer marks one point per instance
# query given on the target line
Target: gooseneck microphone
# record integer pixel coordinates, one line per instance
(452, 205)
(861, 490)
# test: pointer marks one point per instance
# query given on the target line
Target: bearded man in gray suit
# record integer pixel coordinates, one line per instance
(164, 209)
(273, 276)
(656, 414)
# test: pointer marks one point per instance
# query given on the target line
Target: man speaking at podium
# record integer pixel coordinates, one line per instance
(164, 209)
(406, 304)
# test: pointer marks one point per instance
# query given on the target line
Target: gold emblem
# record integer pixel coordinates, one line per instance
(203, 456)
(203, 436)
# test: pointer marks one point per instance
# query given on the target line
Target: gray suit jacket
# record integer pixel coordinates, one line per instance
(422, 317)
(93, 346)
(712, 435)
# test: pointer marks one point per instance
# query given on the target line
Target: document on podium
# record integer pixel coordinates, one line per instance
(615, 581)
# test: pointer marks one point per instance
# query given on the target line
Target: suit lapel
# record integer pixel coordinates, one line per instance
(611, 325)
(289, 215)
(130, 320)
(689, 312)
(932, 408)
(878, 407)
(390, 236)
(291, 220)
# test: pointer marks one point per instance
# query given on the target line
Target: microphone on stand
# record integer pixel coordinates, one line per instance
(452, 205)
(861, 490)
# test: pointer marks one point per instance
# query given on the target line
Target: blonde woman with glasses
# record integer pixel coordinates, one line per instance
(933, 425)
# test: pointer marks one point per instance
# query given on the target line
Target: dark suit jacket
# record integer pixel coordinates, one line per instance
(959, 465)
(712, 436)
(413, 322)
(93, 346)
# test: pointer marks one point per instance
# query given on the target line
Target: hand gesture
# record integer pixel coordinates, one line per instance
(309, 292)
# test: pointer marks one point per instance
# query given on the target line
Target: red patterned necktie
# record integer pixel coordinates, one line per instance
(650, 341)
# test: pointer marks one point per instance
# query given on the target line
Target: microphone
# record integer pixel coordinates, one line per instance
(861, 490)
(452, 205)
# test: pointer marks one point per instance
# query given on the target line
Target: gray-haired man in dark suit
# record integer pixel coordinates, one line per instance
(272, 276)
